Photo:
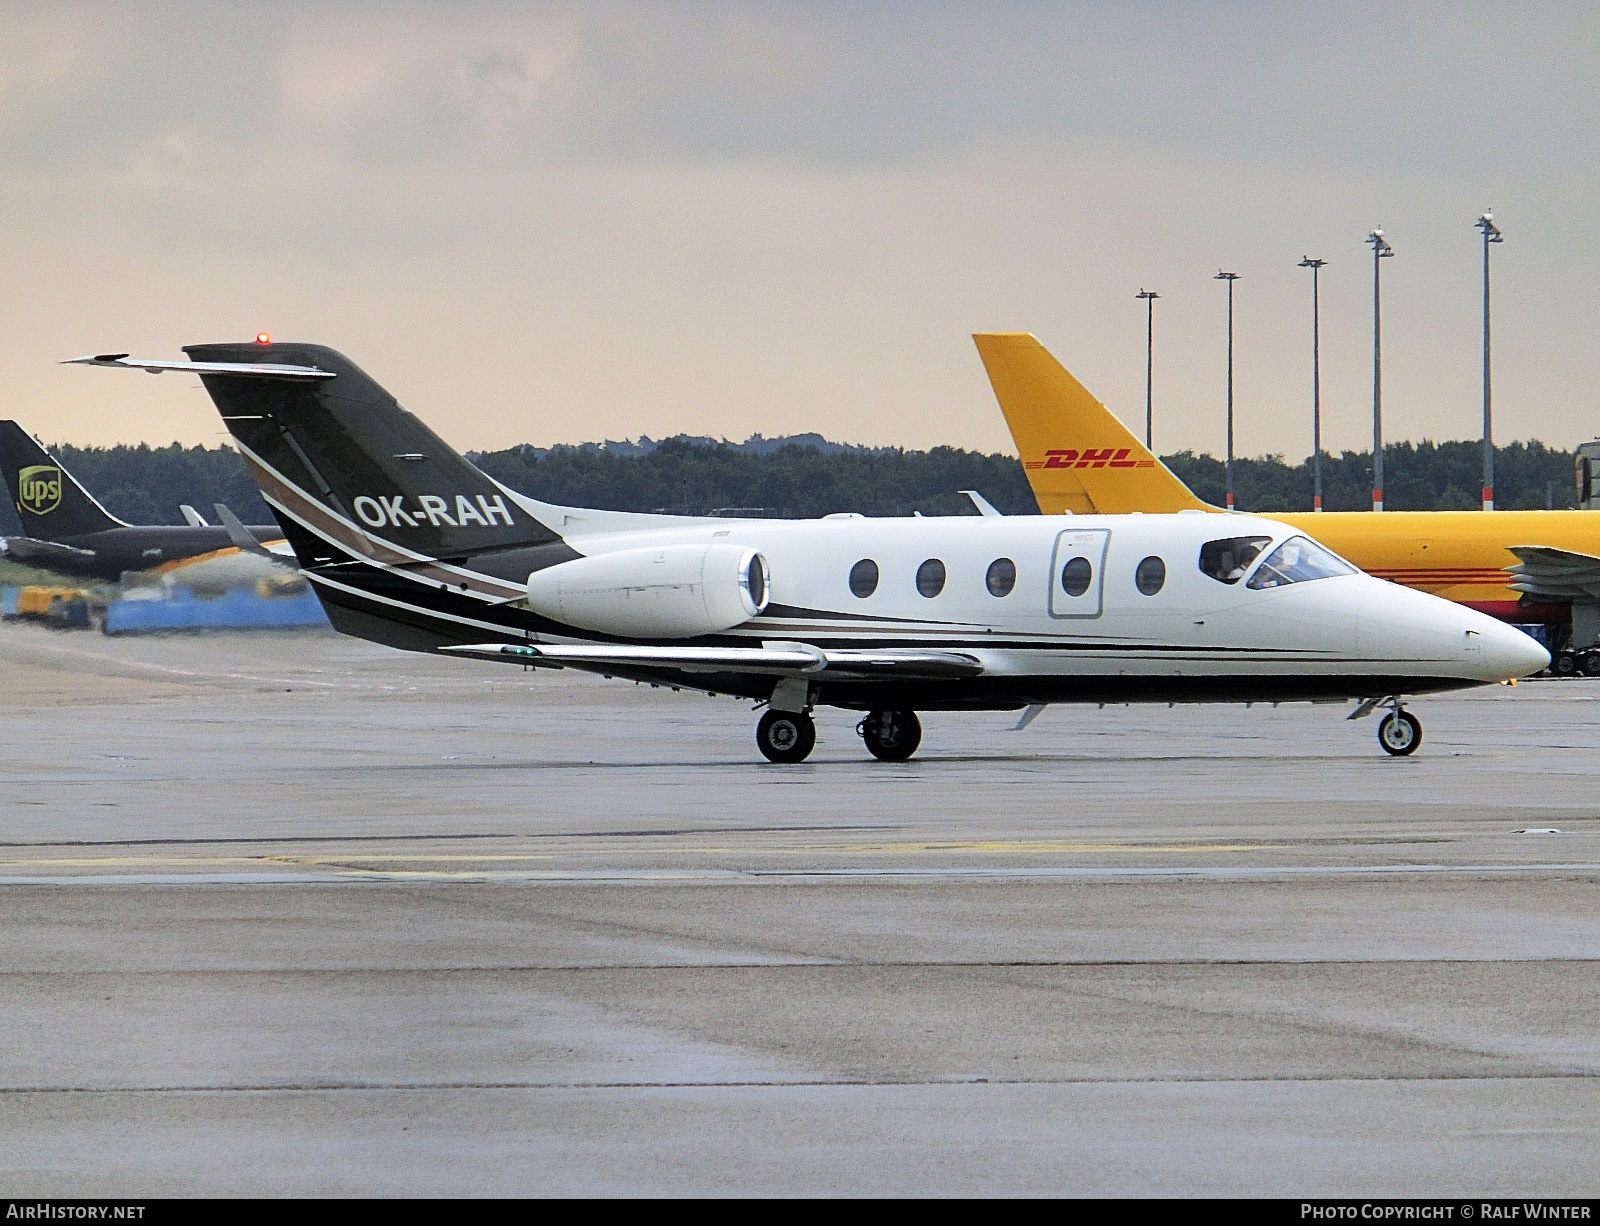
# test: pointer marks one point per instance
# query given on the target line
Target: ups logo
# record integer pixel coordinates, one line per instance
(39, 488)
(1089, 457)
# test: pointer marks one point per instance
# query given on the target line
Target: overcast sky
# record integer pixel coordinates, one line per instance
(568, 222)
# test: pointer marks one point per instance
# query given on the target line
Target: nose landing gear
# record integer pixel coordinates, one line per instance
(1399, 732)
(891, 736)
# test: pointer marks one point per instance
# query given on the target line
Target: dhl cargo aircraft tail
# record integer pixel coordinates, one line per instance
(1079, 458)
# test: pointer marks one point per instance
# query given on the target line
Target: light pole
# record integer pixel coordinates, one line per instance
(1230, 278)
(1149, 296)
(1316, 380)
(1380, 251)
(1491, 234)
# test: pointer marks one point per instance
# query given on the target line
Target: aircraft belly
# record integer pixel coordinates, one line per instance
(1010, 693)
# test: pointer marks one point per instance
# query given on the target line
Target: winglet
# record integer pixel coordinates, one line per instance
(237, 532)
(1078, 457)
(985, 507)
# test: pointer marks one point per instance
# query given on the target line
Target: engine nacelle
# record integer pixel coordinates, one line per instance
(674, 592)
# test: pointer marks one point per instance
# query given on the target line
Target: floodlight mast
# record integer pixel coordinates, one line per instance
(1491, 234)
(1316, 379)
(1149, 296)
(1230, 278)
(1380, 251)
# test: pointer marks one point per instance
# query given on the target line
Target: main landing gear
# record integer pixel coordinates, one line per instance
(891, 736)
(1399, 732)
(790, 736)
(1576, 663)
(786, 736)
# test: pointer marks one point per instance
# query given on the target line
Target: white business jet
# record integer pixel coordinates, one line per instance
(408, 544)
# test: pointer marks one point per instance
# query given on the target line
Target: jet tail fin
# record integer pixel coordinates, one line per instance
(50, 503)
(340, 459)
(1078, 457)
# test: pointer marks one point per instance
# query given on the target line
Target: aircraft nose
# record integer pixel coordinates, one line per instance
(1507, 653)
(1468, 644)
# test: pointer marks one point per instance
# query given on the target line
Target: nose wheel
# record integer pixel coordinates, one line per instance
(891, 736)
(1399, 732)
(786, 736)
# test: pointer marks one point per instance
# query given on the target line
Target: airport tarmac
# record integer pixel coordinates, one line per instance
(289, 914)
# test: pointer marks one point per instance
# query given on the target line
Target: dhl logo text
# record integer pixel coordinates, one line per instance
(39, 488)
(1090, 457)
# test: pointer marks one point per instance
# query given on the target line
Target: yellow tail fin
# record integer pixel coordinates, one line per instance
(1078, 457)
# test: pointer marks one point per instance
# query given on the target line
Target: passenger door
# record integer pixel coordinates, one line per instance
(1077, 572)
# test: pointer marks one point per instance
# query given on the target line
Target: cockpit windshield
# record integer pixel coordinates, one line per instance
(1227, 560)
(1298, 560)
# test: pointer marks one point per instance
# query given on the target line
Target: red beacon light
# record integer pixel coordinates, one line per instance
(263, 338)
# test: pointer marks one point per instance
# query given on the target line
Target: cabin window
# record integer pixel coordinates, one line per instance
(1227, 560)
(1150, 575)
(1002, 577)
(1076, 576)
(864, 578)
(930, 577)
(1298, 560)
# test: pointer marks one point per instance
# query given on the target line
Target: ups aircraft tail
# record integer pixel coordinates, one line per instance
(1078, 457)
(49, 502)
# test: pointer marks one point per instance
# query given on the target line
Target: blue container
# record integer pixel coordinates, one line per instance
(238, 609)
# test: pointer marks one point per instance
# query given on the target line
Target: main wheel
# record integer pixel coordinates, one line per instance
(786, 736)
(1400, 732)
(891, 736)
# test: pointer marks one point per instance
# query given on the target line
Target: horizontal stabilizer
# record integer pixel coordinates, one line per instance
(254, 370)
(783, 660)
(1555, 573)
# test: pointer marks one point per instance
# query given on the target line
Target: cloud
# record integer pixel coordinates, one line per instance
(85, 85)
(737, 217)
(823, 87)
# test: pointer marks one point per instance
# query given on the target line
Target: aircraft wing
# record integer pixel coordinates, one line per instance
(777, 659)
(1558, 573)
(33, 549)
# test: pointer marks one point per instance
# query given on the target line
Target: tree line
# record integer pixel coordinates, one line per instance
(808, 477)
(1422, 476)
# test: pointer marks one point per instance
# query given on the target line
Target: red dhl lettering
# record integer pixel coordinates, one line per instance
(1089, 457)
